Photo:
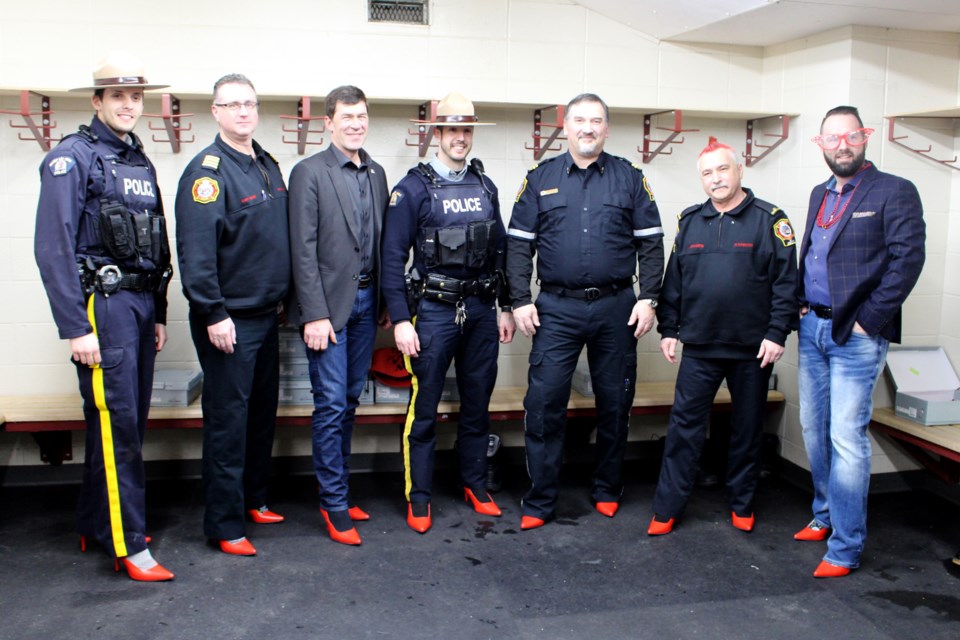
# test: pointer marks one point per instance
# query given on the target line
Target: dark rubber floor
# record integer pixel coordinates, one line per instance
(581, 576)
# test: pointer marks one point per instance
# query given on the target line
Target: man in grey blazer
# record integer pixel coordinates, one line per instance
(337, 201)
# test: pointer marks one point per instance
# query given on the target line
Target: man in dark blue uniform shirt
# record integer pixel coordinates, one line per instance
(729, 294)
(101, 245)
(235, 267)
(589, 217)
(449, 213)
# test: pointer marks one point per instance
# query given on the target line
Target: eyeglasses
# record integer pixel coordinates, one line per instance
(855, 138)
(234, 107)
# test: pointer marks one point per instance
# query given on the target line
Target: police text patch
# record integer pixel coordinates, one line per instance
(784, 231)
(61, 166)
(205, 190)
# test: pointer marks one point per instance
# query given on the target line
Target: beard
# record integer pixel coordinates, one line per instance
(846, 170)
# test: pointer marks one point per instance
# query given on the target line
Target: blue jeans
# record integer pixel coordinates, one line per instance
(836, 402)
(337, 376)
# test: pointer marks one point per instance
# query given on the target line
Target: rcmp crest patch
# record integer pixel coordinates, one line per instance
(61, 166)
(205, 190)
(784, 231)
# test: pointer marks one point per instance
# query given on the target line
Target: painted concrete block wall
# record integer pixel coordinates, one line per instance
(882, 72)
(503, 54)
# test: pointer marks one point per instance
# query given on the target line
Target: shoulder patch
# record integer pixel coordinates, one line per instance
(646, 187)
(395, 197)
(212, 162)
(784, 232)
(523, 187)
(205, 190)
(61, 166)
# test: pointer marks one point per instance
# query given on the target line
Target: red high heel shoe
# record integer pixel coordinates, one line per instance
(487, 508)
(155, 573)
(349, 536)
(358, 514)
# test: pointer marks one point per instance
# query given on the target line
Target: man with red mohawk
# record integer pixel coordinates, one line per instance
(729, 294)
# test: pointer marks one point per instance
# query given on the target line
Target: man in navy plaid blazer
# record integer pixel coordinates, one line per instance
(862, 253)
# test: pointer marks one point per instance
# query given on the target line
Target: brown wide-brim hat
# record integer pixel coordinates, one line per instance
(120, 69)
(455, 111)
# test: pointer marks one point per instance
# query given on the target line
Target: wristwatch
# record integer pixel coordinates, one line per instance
(650, 301)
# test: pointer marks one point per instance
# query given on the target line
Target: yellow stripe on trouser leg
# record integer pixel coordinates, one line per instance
(408, 425)
(106, 440)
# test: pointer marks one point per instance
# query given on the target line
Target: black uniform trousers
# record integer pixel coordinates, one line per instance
(697, 383)
(474, 350)
(240, 392)
(566, 325)
(116, 401)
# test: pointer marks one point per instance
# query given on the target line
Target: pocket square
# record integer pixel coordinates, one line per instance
(864, 214)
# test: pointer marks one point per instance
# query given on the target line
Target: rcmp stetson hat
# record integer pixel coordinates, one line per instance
(388, 367)
(119, 69)
(455, 111)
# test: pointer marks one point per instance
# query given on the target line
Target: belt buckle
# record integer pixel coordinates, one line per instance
(591, 293)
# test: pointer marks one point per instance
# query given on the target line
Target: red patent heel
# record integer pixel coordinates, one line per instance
(154, 574)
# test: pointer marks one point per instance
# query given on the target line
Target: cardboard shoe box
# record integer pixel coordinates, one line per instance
(175, 387)
(928, 390)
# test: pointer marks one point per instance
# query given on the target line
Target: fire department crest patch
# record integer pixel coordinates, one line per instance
(784, 231)
(205, 190)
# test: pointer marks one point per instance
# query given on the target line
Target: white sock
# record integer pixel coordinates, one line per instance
(142, 560)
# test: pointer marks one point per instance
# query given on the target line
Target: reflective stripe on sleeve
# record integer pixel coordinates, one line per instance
(649, 231)
(523, 235)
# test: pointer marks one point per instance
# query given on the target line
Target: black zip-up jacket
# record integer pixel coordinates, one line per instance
(232, 234)
(731, 281)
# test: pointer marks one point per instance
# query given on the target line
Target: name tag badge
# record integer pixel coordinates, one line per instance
(549, 192)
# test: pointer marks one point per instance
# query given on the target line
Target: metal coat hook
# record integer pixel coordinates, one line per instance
(41, 131)
(302, 129)
(540, 147)
(426, 112)
(752, 142)
(922, 152)
(675, 131)
(170, 114)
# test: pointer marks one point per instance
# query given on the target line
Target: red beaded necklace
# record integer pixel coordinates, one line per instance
(836, 216)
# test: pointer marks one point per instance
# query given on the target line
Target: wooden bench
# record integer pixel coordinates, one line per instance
(920, 441)
(51, 418)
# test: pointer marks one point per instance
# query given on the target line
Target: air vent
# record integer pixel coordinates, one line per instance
(408, 12)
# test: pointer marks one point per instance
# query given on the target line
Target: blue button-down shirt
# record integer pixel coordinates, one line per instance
(816, 278)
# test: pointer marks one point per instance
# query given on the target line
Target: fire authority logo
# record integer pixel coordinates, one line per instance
(205, 190)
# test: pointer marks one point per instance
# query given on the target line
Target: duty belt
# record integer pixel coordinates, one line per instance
(590, 293)
(821, 311)
(109, 279)
(443, 289)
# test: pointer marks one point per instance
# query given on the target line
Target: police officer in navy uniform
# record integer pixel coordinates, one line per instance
(235, 267)
(589, 217)
(101, 245)
(448, 211)
(729, 294)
